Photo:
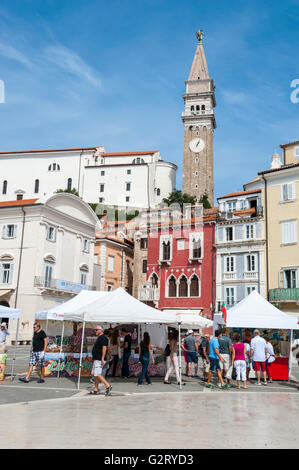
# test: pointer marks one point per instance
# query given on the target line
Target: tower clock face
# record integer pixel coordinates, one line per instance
(196, 145)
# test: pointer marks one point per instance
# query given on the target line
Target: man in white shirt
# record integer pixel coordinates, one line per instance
(258, 353)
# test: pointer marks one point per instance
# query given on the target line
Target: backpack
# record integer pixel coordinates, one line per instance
(167, 350)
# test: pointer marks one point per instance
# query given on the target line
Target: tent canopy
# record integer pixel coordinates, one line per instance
(59, 311)
(190, 321)
(107, 307)
(256, 312)
(9, 312)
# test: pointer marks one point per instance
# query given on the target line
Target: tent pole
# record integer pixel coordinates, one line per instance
(62, 333)
(291, 355)
(180, 356)
(80, 365)
(15, 353)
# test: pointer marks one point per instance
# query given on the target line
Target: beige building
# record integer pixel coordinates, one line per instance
(114, 255)
(280, 193)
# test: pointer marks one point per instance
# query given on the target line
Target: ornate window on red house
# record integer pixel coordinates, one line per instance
(154, 280)
(194, 286)
(196, 246)
(172, 286)
(165, 248)
(183, 287)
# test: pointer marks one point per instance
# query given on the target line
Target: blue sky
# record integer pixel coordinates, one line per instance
(85, 73)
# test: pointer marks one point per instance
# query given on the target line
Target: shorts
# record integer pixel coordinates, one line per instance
(35, 358)
(227, 361)
(192, 356)
(214, 364)
(203, 364)
(259, 365)
(97, 368)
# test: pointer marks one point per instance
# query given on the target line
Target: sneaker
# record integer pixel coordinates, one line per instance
(139, 385)
(41, 381)
(23, 379)
(259, 383)
(149, 383)
(219, 385)
(108, 391)
(228, 386)
(224, 387)
(210, 386)
(265, 383)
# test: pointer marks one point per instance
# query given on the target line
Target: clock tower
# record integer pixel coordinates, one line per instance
(199, 124)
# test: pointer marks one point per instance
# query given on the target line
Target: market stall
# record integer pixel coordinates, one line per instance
(116, 307)
(256, 312)
(9, 313)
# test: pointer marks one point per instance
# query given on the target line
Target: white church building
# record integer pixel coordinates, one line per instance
(128, 179)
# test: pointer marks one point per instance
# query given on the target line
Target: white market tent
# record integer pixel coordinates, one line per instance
(8, 312)
(116, 307)
(256, 312)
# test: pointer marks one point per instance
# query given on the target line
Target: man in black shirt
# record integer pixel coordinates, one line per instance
(125, 372)
(39, 346)
(98, 355)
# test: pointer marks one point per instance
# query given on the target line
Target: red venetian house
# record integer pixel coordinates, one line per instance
(181, 264)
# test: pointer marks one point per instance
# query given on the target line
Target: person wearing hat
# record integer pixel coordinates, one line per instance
(3, 333)
(191, 346)
(99, 352)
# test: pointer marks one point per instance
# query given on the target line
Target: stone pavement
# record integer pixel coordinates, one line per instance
(57, 415)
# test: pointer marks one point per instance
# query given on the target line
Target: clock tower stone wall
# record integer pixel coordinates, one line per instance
(199, 123)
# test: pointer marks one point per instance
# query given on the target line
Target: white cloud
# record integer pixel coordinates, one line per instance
(68, 60)
(10, 52)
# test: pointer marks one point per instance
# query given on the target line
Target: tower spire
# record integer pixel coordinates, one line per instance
(199, 69)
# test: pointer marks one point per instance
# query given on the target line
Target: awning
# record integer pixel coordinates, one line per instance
(4, 292)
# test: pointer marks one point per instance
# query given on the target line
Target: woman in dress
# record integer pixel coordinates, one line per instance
(239, 362)
(174, 364)
(145, 354)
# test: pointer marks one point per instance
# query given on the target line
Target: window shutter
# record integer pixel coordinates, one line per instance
(1, 273)
(284, 192)
(15, 233)
(10, 277)
(4, 231)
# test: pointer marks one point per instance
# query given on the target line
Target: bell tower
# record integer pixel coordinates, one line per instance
(199, 124)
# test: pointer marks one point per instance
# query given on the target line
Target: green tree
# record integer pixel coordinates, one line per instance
(177, 197)
(205, 202)
(70, 191)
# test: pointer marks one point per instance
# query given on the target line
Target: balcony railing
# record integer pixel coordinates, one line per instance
(284, 295)
(148, 294)
(229, 276)
(250, 275)
(60, 285)
(228, 215)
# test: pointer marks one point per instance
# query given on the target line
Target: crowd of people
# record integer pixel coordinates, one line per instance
(217, 355)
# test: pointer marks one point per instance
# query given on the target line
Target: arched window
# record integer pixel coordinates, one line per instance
(154, 280)
(203, 107)
(172, 286)
(36, 186)
(183, 287)
(196, 249)
(69, 184)
(192, 108)
(4, 188)
(137, 161)
(166, 250)
(194, 286)
(197, 107)
(54, 167)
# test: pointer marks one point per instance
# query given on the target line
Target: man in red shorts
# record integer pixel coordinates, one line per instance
(258, 352)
